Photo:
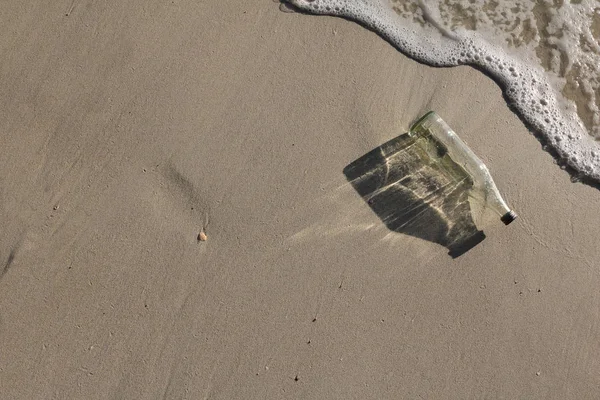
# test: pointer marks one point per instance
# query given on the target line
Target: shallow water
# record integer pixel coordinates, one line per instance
(545, 54)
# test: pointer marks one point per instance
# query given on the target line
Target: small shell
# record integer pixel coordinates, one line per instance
(202, 237)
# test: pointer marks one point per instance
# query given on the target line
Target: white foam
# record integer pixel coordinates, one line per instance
(499, 40)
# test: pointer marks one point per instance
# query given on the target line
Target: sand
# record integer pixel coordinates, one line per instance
(130, 127)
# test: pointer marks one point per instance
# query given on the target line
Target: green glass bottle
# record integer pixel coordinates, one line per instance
(445, 151)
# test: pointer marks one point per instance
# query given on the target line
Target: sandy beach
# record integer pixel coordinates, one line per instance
(127, 128)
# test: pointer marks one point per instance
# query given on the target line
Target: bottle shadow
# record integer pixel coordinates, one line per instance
(412, 195)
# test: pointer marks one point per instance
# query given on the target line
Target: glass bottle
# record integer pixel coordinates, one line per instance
(442, 146)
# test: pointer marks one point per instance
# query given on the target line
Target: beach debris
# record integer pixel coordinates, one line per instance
(202, 236)
(452, 157)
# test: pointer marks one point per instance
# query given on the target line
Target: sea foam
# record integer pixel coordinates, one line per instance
(545, 58)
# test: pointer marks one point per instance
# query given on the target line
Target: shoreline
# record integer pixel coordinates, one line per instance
(128, 132)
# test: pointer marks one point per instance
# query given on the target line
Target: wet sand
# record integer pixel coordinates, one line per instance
(129, 129)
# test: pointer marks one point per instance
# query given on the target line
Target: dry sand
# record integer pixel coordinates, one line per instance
(129, 127)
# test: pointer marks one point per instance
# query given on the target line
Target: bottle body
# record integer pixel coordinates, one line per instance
(443, 146)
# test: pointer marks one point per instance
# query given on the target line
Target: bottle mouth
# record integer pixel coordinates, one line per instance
(509, 217)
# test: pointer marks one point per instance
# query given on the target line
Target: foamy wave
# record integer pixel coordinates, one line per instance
(545, 60)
